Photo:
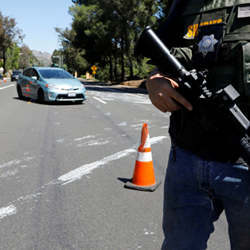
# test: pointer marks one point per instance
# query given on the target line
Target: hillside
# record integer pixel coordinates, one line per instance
(43, 57)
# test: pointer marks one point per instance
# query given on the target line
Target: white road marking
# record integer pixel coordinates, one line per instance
(6, 211)
(72, 176)
(157, 139)
(124, 97)
(10, 163)
(122, 124)
(9, 173)
(136, 125)
(84, 137)
(93, 143)
(11, 168)
(99, 99)
(60, 140)
(29, 196)
(5, 87)
(78, 173)
(16, 162)
(165, 127)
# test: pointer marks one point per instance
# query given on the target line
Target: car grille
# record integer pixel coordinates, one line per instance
(70, 89)
(65, 97)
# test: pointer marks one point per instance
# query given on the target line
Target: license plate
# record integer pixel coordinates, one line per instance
(71, 94)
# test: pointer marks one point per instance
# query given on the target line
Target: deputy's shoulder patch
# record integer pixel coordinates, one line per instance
(192, 29)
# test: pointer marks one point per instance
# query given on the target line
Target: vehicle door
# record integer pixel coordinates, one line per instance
(34, 83)
(24, 82)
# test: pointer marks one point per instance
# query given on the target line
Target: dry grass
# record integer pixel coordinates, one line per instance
(133, 83)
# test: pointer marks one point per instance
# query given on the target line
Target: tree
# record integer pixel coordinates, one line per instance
(78, 1)
(73, 57)
(27, 59)
(9, 35)
(12, 55)
(106, 31)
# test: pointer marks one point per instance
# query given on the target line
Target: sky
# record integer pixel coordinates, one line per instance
(37, 19)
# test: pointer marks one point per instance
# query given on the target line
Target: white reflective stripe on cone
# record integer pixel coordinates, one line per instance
(147, 143)
(144, 157)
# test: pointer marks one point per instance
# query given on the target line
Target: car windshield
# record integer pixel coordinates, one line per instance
(16, 72)
(55, 73)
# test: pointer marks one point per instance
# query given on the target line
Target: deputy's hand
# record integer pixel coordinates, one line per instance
(163, 95)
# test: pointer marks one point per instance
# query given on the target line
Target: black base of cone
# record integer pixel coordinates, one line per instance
(152, 188)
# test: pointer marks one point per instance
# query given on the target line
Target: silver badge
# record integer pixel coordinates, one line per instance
(207, 44)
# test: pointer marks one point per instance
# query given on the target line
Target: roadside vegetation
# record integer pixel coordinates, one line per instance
(104, 33)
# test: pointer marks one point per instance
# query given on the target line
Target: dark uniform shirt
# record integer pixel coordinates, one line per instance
(212, 35)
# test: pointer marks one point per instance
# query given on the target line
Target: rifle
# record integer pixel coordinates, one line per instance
(193, 85)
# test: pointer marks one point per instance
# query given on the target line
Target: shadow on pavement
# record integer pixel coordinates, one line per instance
(124, 180)
(104, 87)
(26, 99)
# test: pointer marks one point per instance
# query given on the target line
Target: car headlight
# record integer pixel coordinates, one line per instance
(51, 86)
(82, 88)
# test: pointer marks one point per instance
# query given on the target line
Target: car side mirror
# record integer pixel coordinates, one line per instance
(34, 78)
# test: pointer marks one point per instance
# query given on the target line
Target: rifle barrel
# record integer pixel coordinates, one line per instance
(165, 51)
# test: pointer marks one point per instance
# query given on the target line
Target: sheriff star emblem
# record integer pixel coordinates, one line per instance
(207, 44)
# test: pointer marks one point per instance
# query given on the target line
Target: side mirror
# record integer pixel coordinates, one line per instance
(34, 78)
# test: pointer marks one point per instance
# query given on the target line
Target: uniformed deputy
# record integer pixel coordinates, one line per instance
(205, 173)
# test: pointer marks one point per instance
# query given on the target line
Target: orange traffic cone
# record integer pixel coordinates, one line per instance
(143, 177)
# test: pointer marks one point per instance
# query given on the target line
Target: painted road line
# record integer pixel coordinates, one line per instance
(7, 211)
(84, 137)
(132, 99)
(5, 87)
(100, 100)
(78, 173)
(72, 176)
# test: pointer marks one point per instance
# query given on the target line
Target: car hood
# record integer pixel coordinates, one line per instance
(65, 83)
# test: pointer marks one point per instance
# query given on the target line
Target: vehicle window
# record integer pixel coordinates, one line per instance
(34, 73)
(27, 72)
(55, 73)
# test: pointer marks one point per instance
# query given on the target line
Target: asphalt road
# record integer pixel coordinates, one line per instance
(63, 168)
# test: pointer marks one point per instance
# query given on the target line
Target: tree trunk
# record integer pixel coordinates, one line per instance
(122, 60)
(131, 68)
(4, 60)
(115, 69)
(110, 68)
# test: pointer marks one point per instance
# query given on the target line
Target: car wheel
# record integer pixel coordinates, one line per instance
(19, 92)
(40, 96)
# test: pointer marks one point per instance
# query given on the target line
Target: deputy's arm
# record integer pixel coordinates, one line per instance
(163, 95)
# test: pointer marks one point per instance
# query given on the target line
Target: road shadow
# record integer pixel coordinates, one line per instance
(117, 90)
(96, 83)
(26, 99)
(104, 87)
(124, 180)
